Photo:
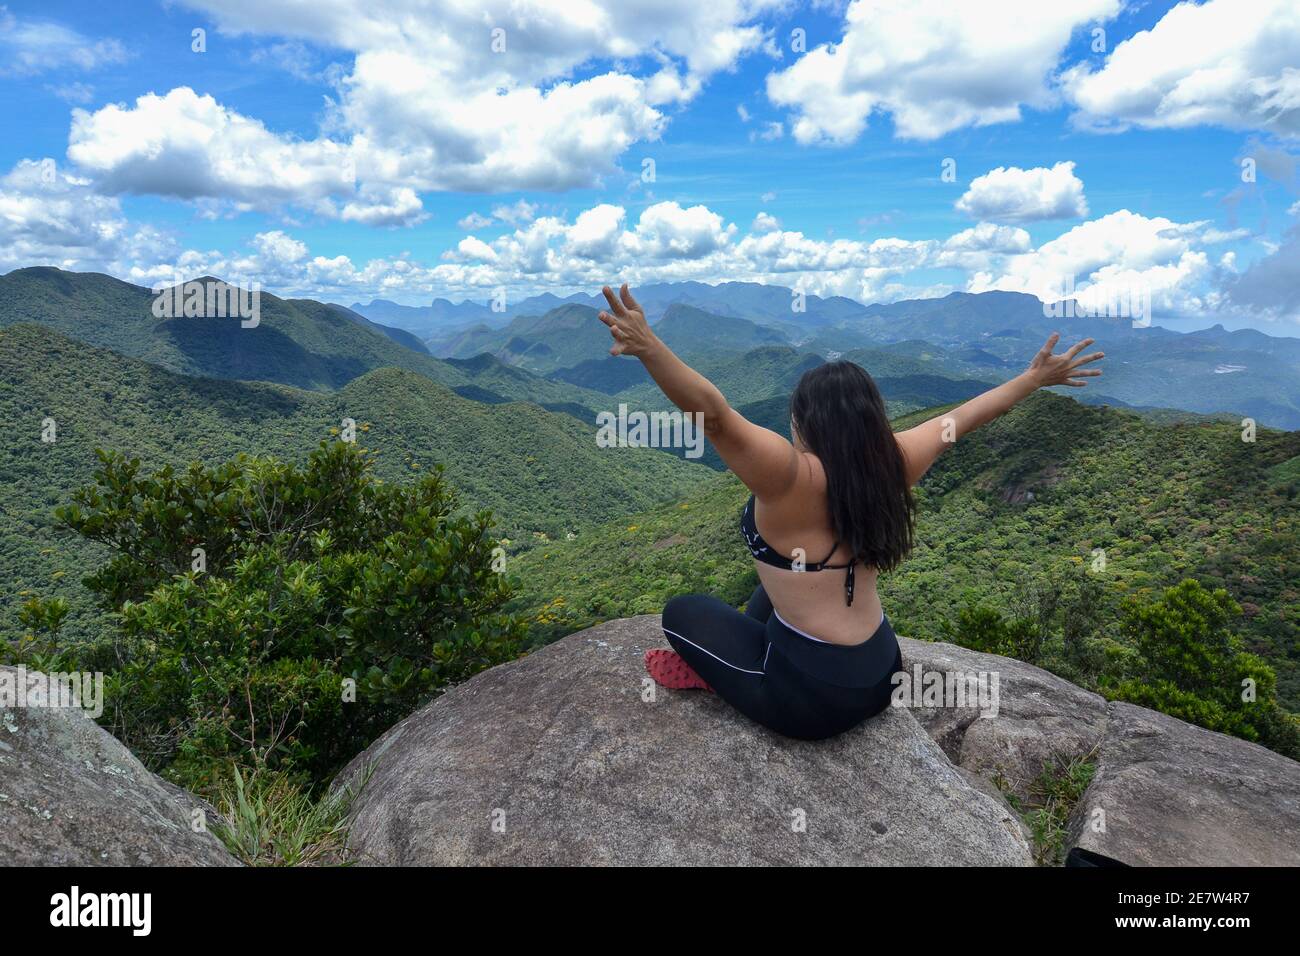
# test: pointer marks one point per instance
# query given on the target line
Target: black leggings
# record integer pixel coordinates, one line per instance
(781, 678)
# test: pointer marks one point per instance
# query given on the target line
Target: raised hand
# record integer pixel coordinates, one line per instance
(627, 324)
(1064, 369)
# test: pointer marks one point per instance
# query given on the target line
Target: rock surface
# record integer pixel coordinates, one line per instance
(72, 795)
(1041, 720)
(558, 759)
(1167, 793)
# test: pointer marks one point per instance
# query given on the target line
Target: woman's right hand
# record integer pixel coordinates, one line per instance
(1047, 369)
(627, 324)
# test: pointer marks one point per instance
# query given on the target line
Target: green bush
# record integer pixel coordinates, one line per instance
(277, 617)
(1192, 665)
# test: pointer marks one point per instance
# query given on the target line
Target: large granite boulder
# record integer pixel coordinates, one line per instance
(1041, 722)
(1167, 793)
(568, 757)
(72, 795)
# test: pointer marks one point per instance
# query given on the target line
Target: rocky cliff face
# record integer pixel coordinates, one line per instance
(567, 757)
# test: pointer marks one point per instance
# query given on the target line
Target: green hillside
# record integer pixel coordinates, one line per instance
(558, 339)
(296, 342)
(299, 342)
(1016, 508)
(541, 473)
(686, 330)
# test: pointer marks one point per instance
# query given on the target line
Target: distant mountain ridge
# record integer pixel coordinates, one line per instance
(298, 342)
(988, 336)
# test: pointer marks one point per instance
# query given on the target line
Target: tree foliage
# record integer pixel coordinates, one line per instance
(277, 616)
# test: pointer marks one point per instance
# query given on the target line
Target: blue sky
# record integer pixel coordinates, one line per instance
(347, 150)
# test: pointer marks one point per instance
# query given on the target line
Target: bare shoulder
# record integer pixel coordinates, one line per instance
(809, 486)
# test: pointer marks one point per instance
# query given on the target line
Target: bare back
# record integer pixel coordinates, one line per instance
(799, 522)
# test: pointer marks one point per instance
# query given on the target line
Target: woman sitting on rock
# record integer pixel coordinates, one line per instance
(832, 507)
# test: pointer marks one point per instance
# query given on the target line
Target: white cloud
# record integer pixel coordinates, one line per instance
(665, 242)
(1119, 255)
(596, 232)
(32, 46)
(474, 221)
(1011, 194)
(516, 214)
(667, 231)
(189, 146)
(933, 65)
(1232, 63)
(384, 206)
(427, 103)
(50, 217)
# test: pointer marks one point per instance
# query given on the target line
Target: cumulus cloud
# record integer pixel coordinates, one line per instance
(489, 97)
(1011, 194)
(189, 146)
(65, 222)
(1232, 63)
(667, 231)
(51, 217)
(933, 66)
(596, 232)
(1120, 255)
(667, 242)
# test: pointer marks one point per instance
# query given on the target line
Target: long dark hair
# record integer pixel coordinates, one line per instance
(840, 417)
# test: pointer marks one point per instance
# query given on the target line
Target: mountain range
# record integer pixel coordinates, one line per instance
(988, 335)
(507, 406)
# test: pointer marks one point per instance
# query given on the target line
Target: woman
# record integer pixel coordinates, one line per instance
(832, 507)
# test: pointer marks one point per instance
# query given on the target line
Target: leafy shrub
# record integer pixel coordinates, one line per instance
(278, 617)
(1193, 666)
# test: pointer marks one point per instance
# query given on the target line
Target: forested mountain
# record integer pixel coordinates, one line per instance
(541, 343)
(540, 473)
(765, 304)
(1014, 512)
(987, 335)
(297, 342)
(688, 330)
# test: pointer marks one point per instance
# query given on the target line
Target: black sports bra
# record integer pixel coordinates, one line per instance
(760, 550)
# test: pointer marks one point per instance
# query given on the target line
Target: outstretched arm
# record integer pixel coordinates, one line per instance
(766, 462)
(924, 443)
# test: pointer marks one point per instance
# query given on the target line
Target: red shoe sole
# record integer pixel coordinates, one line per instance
(669, 670)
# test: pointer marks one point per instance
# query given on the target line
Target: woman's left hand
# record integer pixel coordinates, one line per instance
(627, 324)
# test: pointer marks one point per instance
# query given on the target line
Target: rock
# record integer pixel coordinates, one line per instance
(1041, 720)
(72, 795)
(558, 759)
(1173, 794)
